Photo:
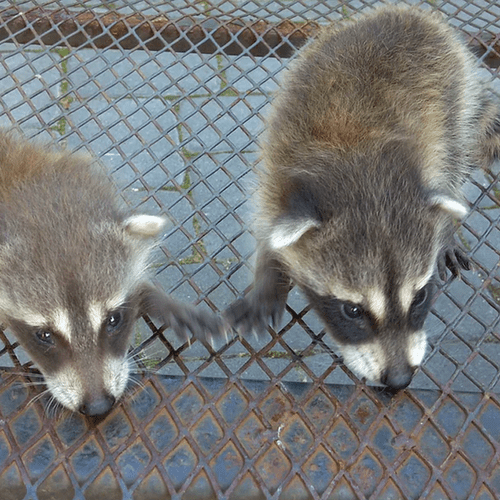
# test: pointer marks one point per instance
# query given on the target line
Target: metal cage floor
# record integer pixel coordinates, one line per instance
(171, 97)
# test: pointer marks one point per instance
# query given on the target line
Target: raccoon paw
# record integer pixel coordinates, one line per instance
(249, 315)
(199, 324)
(184, 319)
(455, 260)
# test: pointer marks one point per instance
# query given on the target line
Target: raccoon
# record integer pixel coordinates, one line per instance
(376, 126)
(73, 273)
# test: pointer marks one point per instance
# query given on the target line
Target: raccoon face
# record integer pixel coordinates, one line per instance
(84, 364)
(71, 297)
(374, 306)
(367, 266)
(379, 338)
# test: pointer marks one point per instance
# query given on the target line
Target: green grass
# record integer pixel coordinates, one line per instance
(60, 126)
(66, 100)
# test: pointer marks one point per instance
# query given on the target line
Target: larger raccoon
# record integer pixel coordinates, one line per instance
(377, 125)
(73, 273)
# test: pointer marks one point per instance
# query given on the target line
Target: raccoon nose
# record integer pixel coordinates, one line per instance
(397, 378)
(97, 406)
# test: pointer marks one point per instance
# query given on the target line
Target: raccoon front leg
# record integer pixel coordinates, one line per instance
(266, 301)
(182, 318)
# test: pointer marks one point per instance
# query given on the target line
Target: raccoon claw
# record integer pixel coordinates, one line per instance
(184, 319)
(242, 317)
(455, 260)
(276, 316)
(245, 316)
(198, 324)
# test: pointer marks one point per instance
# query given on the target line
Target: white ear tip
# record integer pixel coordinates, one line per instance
(453, 207)
(287, 233)
(144, 225)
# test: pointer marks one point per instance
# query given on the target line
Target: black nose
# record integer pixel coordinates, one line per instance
(397, 378)
(97, 406)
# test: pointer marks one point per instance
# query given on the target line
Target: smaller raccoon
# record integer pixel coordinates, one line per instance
(376, 126)
(73, 273)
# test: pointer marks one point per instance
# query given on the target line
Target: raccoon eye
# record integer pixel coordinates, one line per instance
(113, 322)
(350, 311)
(45, 336)
(420, 298)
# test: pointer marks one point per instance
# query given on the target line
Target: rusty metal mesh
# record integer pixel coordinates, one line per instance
(171, 95)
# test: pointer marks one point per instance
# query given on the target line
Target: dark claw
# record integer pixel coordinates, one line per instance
(454, 259)
(244, 317)
(463, 260)
(441, 265)
(452, 263)
(199, 325)
(248, 315)
(184, 319)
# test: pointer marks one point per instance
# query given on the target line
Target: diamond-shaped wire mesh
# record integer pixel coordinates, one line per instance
(171, 96)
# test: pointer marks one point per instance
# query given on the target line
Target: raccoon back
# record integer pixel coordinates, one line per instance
(397, 75)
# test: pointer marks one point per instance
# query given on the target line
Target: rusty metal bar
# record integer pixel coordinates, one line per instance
(55, 27)
(207, 35)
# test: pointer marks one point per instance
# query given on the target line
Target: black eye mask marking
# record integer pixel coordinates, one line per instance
(45, 336)
(420, 297)
(44, 344)
(114, 321)
(351, 311)
(116, 328)
(421, 304)
(348, 322)
(351, 324)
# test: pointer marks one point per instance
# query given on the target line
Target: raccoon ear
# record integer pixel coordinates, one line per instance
(453, 207)
(144, 226)
(288, 230)
(301, 215)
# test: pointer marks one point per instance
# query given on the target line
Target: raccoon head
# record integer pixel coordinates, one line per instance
(72, 275)
(364, 251)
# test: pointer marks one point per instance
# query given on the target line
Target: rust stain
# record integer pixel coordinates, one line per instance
(207, 34)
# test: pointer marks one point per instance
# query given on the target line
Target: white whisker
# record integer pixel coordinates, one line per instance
(137, 383)
(38, 397)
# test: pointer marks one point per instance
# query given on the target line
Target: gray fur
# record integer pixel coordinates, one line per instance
(375, 128)
(73, 273)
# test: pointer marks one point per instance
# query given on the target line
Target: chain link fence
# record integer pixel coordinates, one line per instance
(171, 97)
